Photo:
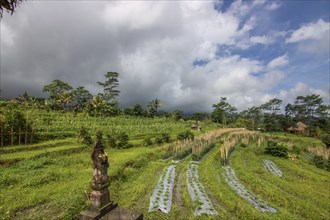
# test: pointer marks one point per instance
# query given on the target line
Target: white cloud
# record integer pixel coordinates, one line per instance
(300, 89)
(273, 6)
(151, 44)
(278, 62)
(310, 31)
(266, 40)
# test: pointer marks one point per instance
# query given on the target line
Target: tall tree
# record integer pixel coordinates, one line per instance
(110, 91)
(155, 104)
(94, 108)
(271, 114)
(59, 91)
(222, 110)
(255, 114)
(308, 109)
(80, 98)
(273, 106)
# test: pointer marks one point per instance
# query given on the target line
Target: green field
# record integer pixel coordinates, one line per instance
(50, 179)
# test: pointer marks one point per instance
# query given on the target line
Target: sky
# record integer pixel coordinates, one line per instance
(188, 54)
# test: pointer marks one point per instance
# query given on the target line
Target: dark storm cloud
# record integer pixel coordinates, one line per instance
(153, 46)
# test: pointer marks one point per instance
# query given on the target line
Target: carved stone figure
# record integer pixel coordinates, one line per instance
(100, 181)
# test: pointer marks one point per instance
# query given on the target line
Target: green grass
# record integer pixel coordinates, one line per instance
(50, 180)
(303, 193)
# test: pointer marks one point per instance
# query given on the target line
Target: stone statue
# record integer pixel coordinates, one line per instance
(100, 205)
(100, 181)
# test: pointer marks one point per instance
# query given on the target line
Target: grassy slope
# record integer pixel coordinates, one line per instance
(52, 184)
(303, 193)
(58, 181)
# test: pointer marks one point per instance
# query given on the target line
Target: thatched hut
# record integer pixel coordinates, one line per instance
(299, 127)
(196, 127)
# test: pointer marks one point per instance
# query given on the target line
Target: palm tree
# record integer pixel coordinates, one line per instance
(155, 104)
(64, 99)
(97, 104)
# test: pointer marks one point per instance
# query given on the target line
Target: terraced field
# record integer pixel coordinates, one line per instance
(50, 180)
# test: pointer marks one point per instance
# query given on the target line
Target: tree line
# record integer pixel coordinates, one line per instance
(270, 116)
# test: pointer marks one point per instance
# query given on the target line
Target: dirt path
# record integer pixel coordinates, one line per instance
(178, 201)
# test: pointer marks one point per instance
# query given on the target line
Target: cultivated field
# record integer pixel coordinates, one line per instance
(50, 179)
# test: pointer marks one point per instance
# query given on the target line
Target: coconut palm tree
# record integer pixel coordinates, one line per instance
(64, 99)
(155, 104)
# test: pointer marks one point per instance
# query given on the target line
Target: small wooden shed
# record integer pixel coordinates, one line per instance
(196, 127)
(299, 127)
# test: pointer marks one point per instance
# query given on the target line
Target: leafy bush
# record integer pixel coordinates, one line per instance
(159, 140)
(147, 142)
(295, 149)
(276, 149)
(322, 163)
(112, 141)
(123, 141)
(166, 137)
(185, 135)
(120, 140)
(84, 137)
(326, 140)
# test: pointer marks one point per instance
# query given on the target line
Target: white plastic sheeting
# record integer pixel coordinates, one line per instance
(197, 192)
(161, 198)
(233, 182)
(271, 167)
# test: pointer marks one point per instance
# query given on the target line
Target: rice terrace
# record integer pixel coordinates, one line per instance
(164, 110)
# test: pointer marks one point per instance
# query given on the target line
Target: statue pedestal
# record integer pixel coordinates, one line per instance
(95, 214)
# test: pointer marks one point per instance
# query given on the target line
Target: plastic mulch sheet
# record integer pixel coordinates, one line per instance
(197, 192)
(233, 182)
(161, 198)
(271, 167)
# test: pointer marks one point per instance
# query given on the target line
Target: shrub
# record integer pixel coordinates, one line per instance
(84, 137)
(320, 162)
(276, 149)
(295, 149)
(159, 140)
(166, 137)
(326, 140)
(185, 135)
(120, 140)
(123, 141)
(147, 142)
(112, 141)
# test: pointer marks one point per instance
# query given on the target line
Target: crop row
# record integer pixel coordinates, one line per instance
(197, 193)
(161, 198)
(233, 182)
(271, 167)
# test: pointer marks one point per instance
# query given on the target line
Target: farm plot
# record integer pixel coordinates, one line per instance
(271, 167)
(233, 182)
(161, 198)
(197, 193)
